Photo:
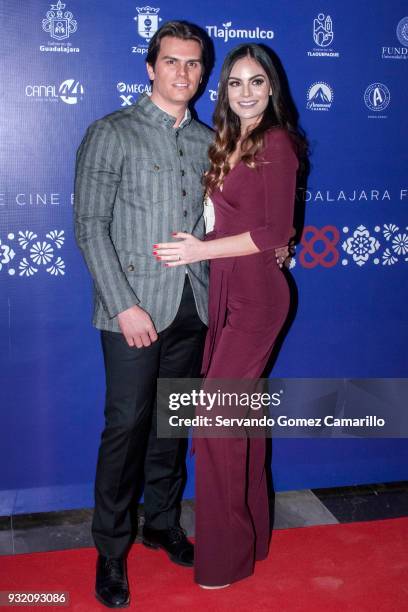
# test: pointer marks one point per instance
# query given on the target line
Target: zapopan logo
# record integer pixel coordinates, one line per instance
(147, 22)
(70, 92)
(377, 97)
(228, 32)
(128, 89)
(328, 256)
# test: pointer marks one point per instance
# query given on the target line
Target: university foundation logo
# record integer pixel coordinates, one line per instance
(147, 20)
(319, 97)
(323, 35)
(377, 98)
(402, 35)
(59, 24)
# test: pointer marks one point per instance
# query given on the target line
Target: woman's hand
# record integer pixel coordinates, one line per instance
(188, 249)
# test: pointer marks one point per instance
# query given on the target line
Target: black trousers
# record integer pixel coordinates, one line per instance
(130, 451)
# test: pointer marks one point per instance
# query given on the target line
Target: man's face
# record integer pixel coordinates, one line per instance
(177, 73)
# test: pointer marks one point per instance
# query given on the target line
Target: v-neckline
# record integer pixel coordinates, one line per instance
(227, 175)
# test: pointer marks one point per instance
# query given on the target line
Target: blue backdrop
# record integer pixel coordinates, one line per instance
(68, 63)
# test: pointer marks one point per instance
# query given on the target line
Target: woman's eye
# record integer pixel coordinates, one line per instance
(233, 83)
(258, 82)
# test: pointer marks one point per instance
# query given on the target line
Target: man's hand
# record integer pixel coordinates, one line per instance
(137, 327)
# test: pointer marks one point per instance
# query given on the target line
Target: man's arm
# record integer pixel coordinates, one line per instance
(97, 178)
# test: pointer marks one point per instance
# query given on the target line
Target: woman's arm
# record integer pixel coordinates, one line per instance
(278, 173)
(190, 249)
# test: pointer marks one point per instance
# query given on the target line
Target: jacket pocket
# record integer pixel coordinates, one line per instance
(153, 180)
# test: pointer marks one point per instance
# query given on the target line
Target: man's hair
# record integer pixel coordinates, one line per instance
(182, 30)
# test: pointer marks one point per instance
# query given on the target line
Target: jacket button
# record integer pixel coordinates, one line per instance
(185, 213)
(182, 173)
(184, 192)
(131, 268)
(180, 152)
(156, 167)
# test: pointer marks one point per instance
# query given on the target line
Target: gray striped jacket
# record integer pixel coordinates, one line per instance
(137, 180)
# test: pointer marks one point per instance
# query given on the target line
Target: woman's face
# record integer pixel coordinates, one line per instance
(248, 91)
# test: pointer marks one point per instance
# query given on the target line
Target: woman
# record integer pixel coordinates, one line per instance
(252, 182)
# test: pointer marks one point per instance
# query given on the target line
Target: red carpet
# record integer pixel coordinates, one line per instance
(352, 567)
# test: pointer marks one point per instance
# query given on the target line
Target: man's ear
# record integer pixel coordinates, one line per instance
(150, 71)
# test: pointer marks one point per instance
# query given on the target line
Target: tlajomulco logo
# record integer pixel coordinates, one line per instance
(319, 97)
(376, 98)
(130, 91)
(59, 24)
(147, 21)
(323, 35)
(402, 35)
(227, 32)
(70, 92)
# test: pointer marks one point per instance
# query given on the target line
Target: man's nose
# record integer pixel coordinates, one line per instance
(182, 70)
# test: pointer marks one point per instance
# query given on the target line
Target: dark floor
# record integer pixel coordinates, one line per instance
(22, 533)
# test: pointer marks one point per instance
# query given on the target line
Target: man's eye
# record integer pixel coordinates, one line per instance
(170, 61)
(193, 64)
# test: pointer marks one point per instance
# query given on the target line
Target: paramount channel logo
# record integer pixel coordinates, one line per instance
(402, 35)
(377, 98)
(319, 97)
(323, 35)
(59, 24)
(147, 21)
(129, 91)
(70, 92)
(227, 32)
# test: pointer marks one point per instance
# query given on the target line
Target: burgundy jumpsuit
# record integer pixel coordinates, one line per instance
(248, 304)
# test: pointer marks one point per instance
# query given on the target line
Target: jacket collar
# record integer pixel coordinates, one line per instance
(156, 115)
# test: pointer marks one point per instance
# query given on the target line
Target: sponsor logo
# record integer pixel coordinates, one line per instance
(323, 35)
(402, 35)
(59, 24)
(147, 20)
(385, 245)
(319, 97)
(35, 254)
(377, 98)
(227, 32)
(213, 93)
(402, 31)
(70, 92)
(130, 91)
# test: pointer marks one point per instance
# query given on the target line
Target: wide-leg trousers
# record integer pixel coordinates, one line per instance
(130, 452)
(232, 508)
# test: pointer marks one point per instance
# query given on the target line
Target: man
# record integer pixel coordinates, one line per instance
(138, 179)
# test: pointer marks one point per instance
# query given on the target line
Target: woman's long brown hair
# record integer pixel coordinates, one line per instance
(227, 124)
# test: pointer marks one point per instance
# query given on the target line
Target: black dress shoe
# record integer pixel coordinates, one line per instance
(173, 540)
(111, 586)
